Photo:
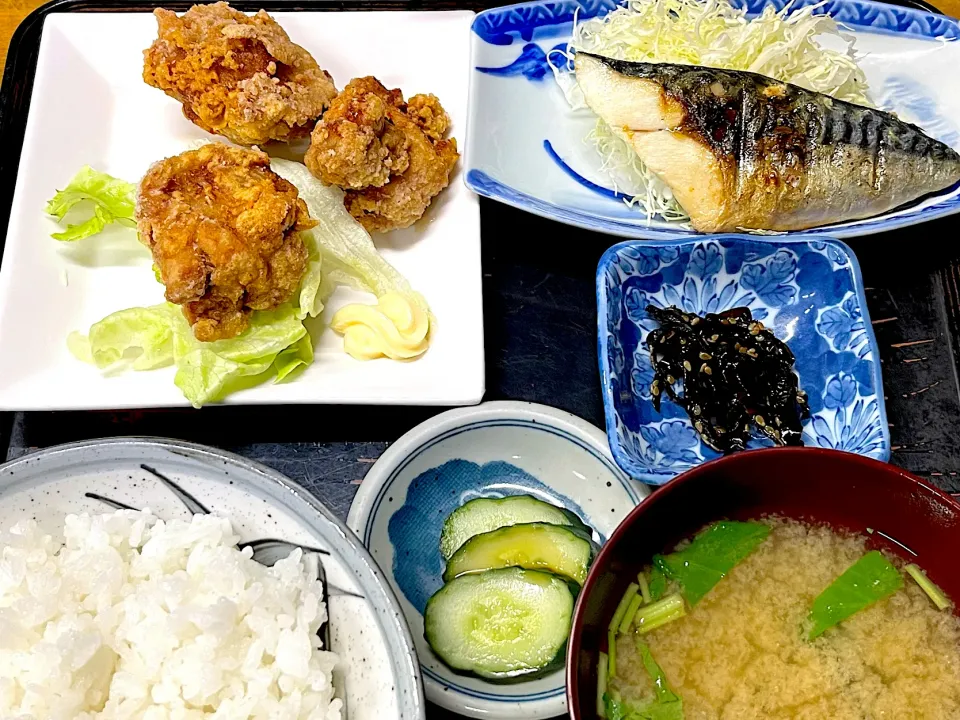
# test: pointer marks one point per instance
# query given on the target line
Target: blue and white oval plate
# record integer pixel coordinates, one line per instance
(493, 450)
(525, 146)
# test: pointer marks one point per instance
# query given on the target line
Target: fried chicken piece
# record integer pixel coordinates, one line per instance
(236, 75)
(426, 111)
(355, 144)
(224, 230)
(389, 155)
(404, 200)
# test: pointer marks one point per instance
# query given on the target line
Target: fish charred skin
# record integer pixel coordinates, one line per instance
(744, 151)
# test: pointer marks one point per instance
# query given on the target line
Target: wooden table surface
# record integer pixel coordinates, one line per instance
(13, 11)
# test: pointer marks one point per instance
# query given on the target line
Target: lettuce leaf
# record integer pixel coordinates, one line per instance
(152, 337)
(867, 581)
(349, 256)
(309, 301)
(141, 337)
(209, 371)
(291, 359)
(712, 554)
(112, 200)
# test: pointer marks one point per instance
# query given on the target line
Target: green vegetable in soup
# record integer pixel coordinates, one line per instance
(644, 588)
(712, 554)
(622, 607)
(632, 609)
(603, 667)
(660, 613)
(867, 581)
(666, 705)
(613, 707)
(658, 583)
(612, 652)
(937, 595)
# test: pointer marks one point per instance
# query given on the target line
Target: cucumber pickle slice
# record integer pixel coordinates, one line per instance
(533, 546)
(485, 514)
(500, 624)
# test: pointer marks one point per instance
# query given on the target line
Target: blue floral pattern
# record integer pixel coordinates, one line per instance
(808, 292)
(844, 326)
(531, 63)
(501, 26)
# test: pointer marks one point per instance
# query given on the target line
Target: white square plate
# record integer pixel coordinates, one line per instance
(90, 106)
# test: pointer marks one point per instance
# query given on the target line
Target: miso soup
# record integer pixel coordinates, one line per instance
(781, 619)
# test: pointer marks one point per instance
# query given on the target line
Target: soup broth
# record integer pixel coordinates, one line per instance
(742, 651)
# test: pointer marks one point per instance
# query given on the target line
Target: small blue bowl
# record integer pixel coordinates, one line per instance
(808, 291)
(490, 450)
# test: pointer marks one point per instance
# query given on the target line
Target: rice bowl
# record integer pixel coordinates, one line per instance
(376, 676)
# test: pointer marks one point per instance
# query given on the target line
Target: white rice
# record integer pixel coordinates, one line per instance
(133, 617)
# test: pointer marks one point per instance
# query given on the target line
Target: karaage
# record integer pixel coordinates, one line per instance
(224, 230)
(389, 155)
(356, 145)
(236, 75)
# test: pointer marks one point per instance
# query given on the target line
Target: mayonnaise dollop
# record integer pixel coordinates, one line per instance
(397, 326)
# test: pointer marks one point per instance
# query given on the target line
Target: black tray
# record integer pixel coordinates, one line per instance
(539, 307)
(540, 326)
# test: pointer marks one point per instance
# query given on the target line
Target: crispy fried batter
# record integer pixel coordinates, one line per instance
(388, 154)
(428, 113)
(237, 76)
(224, 231)
(355, 145)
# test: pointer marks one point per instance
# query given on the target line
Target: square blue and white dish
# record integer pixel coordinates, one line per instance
(809, 292)
(526, 147)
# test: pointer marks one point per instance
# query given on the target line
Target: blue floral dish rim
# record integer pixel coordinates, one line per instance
(623, 459)
(502, 25)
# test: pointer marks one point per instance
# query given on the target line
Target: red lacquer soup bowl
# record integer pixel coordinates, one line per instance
(907, 516)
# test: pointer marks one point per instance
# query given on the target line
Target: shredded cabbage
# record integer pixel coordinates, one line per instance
(783, 45)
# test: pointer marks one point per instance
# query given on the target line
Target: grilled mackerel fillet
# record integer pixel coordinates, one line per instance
(744, 151)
